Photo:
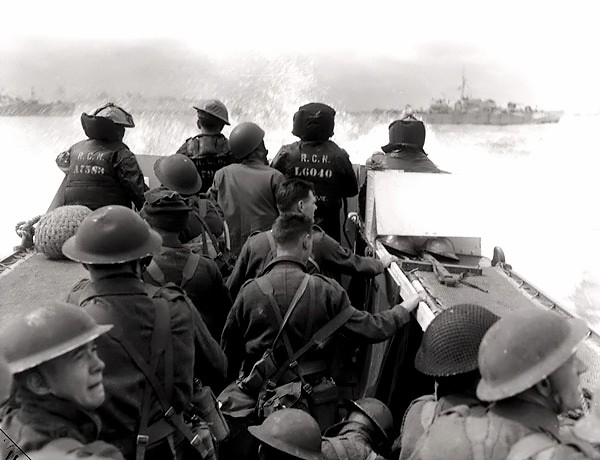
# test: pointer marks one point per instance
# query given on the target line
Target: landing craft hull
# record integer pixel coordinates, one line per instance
(489, 118)
(383, 370)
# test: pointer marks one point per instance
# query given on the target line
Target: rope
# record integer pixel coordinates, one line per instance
(25, 231)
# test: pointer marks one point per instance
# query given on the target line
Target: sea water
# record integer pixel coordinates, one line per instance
(541, 180)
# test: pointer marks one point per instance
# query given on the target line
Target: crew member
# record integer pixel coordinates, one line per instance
(167, 213)
(318, 159)
(363, 435)
(530, 371)
(101, 170)
(209, 150)
(246, 191)
(448, 352)
(152, 325)
(58, 384)
(328, 256)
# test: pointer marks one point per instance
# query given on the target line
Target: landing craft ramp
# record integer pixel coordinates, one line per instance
(423, 205)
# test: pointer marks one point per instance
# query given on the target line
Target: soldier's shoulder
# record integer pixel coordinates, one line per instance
(326, 282)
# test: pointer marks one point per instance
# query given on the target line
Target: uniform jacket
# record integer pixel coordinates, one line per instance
(100, 173)
(328, 167)
(352, 443)
(205, 215)
(251, 326)
(246, 194)
(49, 423)
(406, 160)
(123, 300)
(330, 256)
(209, 152)
(421, 414)
(494, 433)
(205, 289)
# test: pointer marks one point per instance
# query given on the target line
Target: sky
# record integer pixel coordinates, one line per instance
(360, 55)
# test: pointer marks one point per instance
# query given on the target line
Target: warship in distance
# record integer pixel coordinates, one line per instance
(472, 111)
(16, 107)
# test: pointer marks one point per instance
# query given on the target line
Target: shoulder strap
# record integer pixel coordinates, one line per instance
(338, 447)
(156, 273)
(428, 413)
(271, 240)
(529, 446)
(317, 339)
(189, 268)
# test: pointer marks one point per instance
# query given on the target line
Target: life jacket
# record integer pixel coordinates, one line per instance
(209, 152)
(91, 179)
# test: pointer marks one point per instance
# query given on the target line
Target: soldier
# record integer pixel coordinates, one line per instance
(328, 256)
(159, 343)
(530, 371)
(252, 327)
(209, 150)
(363, 434)
(288, 434)
(318, 159)
(177, 173)
(246, 191)
(167, 212)
(58, 383)
(101, 170)
(448, 352)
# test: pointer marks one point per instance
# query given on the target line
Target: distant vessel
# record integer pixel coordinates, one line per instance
(471, 111)
(16, 107)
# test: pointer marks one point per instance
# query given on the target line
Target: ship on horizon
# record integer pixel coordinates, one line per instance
(17, 107)
(474, 111)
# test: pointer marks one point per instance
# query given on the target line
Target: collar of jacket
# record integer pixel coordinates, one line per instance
(57, 417)
(284, 260)
(113, 285)
(527, 413)
(171, 240)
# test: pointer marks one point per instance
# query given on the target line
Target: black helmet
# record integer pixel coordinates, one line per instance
(178, 173)
(244, 139)
(451, 341)
(314, 122)
(441, 247)
(406, 133)
(107, 123)
(399, 245)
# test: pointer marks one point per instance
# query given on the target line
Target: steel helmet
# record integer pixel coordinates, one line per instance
(377, 412)
(245, 139)
(451, 341)
(215, 108)
(524, 348)
(441, 246)
(178, 173)
(292, 431)
(399, 245)
(45, 333)
(116, 114)
(112, 235)
(408, 132)
(5, 380)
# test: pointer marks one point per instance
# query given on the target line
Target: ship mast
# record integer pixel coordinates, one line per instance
(463, 84)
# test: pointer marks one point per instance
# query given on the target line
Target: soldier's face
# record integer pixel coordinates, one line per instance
(77, 376)
(566, 385)
(309, 205)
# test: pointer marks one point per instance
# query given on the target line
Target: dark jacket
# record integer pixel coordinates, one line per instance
(246, 194)
(328, 167)
(406, 160)
(40, 420)
(205, 288)
(100, 173)
(124, 300)
(205, 216)
(328, 258)
(251, 326)
(209, 152)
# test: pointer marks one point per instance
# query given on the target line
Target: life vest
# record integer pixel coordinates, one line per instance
(91, 179)
(209, 152)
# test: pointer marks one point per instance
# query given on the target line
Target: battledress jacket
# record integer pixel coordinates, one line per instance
(206, 288)
(328, 167)
(328, 258)
(246, 194)
(100, 173)
(494, 433)
(42, 424)
(123, 300)
(251, 326)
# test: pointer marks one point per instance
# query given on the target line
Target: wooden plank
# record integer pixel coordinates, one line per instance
(408, 265)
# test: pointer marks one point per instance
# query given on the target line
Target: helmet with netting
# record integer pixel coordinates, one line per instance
(451, 342)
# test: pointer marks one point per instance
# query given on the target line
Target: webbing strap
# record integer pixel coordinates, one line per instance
(338, 447)
(156, 273)
(189, 269)
(271, 240)
(530, 446)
